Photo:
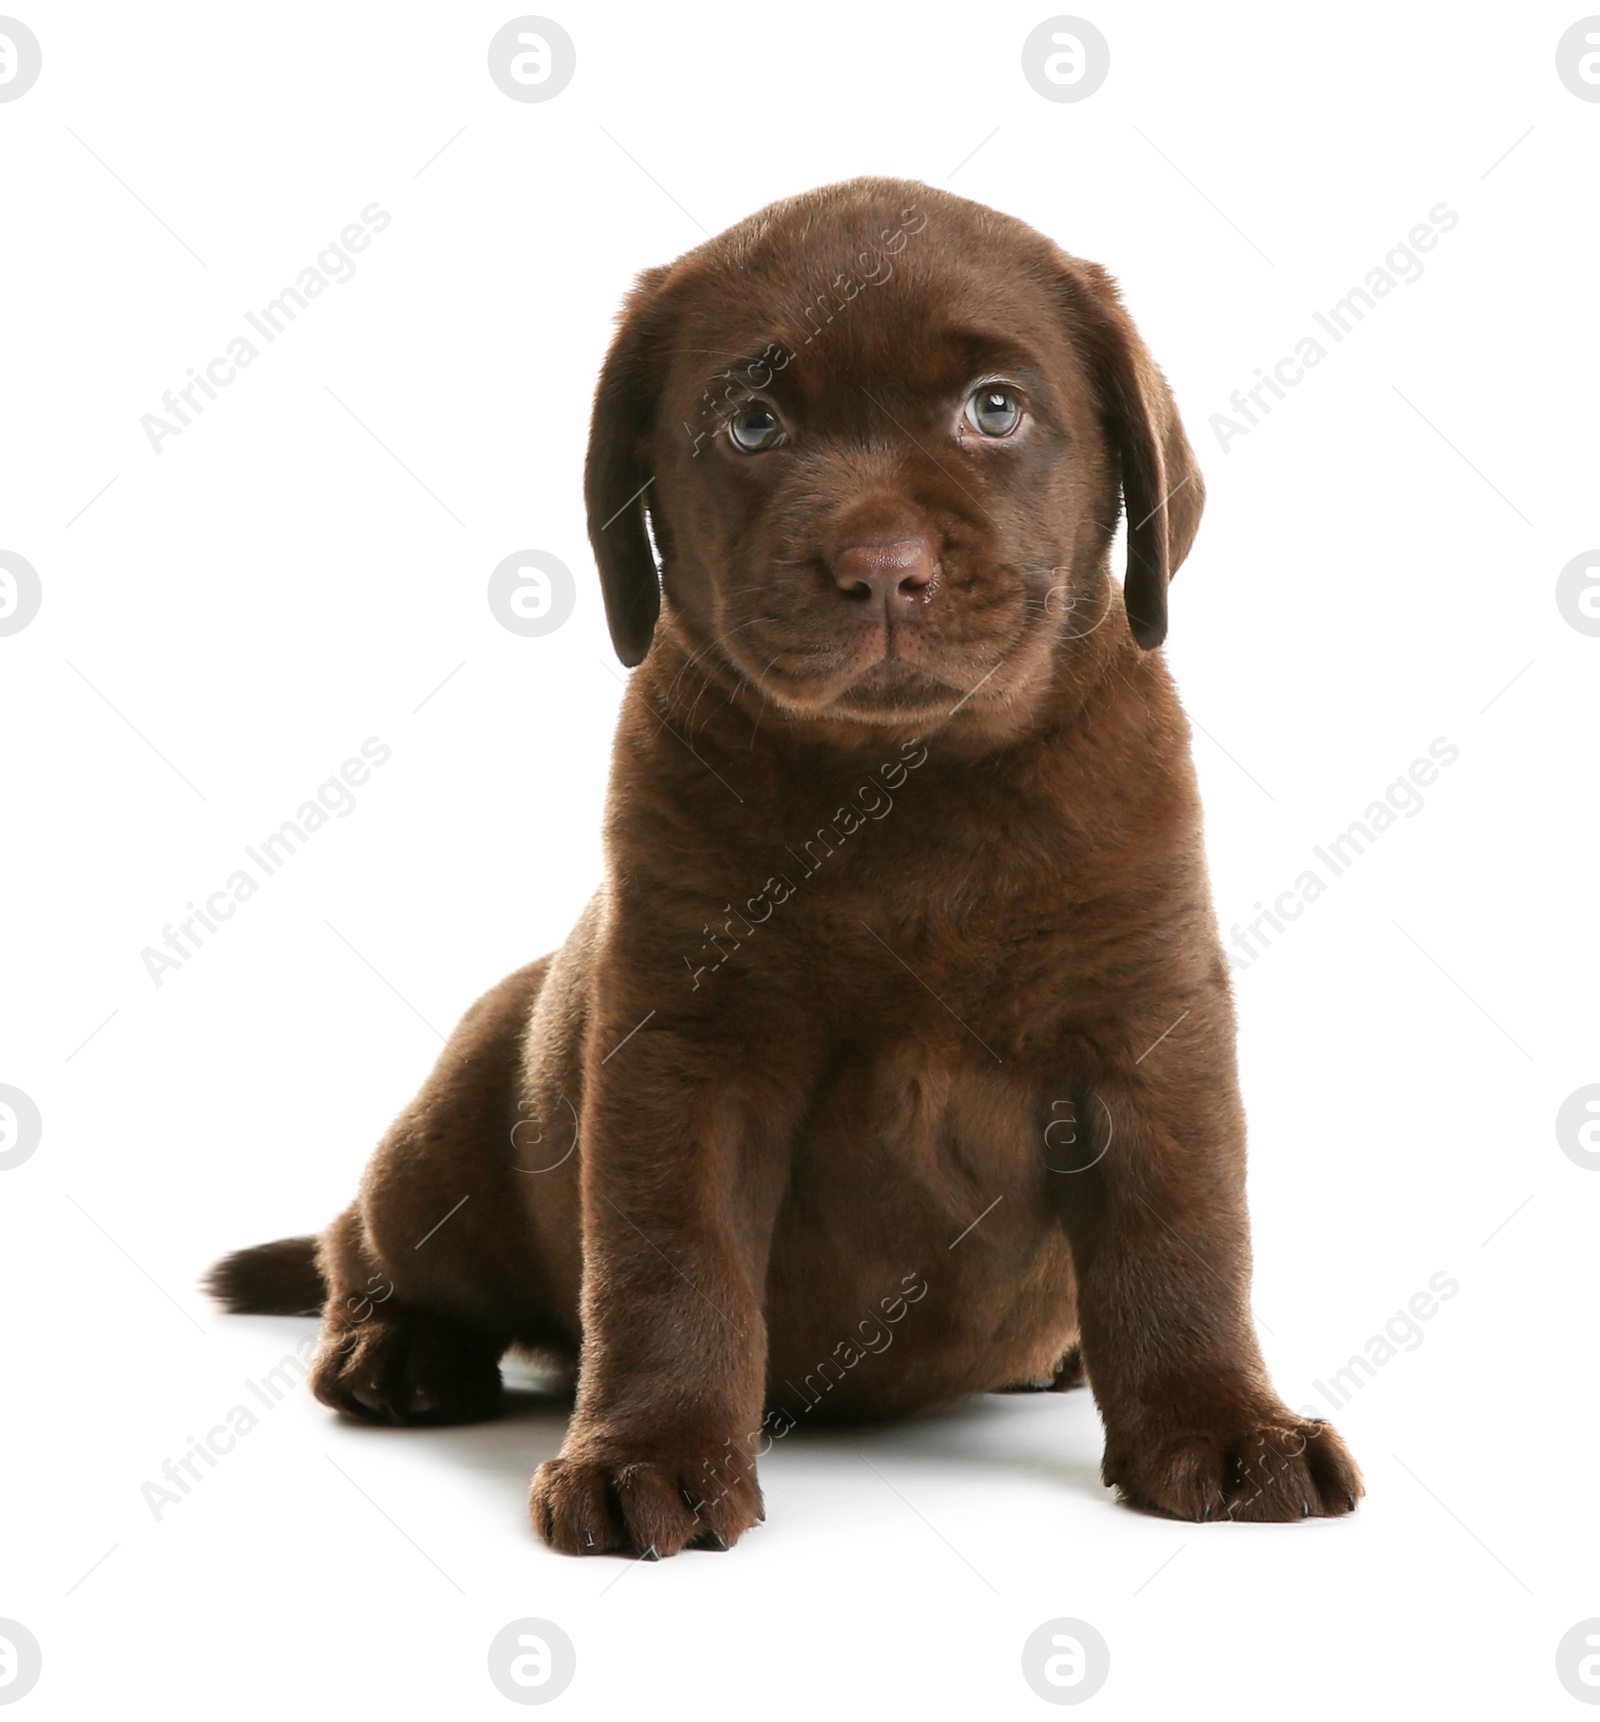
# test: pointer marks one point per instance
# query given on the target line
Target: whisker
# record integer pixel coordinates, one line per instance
(715, 640)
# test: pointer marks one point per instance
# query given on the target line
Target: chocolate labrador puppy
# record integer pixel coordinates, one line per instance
(894, 1059)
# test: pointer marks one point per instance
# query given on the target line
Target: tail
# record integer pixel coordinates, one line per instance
(281, 1278)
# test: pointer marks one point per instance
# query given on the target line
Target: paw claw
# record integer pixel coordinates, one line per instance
(410, 1368)
(628, 1503)
(1276, 1467)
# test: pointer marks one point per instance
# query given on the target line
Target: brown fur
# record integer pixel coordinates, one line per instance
(905, 922)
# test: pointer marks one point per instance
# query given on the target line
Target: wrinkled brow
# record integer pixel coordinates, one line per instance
(976, 350)
(755, 369)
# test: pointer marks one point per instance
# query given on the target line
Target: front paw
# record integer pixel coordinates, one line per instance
(1268, 1468)
(649, 1499)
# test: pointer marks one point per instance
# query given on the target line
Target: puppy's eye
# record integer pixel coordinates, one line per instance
(994, 412)
(754, 428)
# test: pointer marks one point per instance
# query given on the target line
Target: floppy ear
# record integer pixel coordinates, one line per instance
(1162, 490)
(616, 474)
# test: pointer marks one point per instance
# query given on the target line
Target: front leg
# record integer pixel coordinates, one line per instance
(1151, 1190)
(685, 1136)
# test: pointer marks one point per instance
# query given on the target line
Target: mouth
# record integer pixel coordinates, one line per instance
(883, 675)
(873, 681)
(896, 683)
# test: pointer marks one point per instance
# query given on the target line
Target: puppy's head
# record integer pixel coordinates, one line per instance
(880, 437)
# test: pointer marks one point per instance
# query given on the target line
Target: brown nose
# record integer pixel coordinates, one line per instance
(889, 577)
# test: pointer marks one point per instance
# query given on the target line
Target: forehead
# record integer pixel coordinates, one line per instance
(889, 297)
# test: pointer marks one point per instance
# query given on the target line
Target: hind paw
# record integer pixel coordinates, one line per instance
(408, 1370)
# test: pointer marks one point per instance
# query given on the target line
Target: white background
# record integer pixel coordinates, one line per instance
(232, 617)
